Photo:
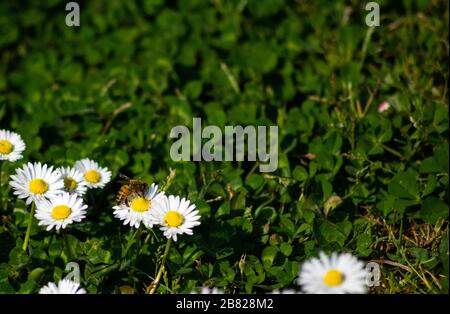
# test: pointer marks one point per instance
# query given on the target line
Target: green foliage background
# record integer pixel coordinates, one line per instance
(113, 88)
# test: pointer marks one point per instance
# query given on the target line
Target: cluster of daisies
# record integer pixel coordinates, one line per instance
(57, 195)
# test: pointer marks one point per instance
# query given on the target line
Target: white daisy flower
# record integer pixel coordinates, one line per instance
(60, 211)
(36, 182)
(11, 146)
(95, 176)
(64, 286)
(335, 274)
(175, 215)
(208, 290)
(74, 182)
(139, 208)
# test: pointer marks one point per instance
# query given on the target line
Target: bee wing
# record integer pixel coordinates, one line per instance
(123, 179)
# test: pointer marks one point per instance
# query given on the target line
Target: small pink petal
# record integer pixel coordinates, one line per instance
(382, 107)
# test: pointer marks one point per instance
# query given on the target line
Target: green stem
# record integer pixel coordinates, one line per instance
(138, 239)
(130, 242)
(252, 170)
(155, 283)
(1, 184)
(150, 234)
(366, 42)
(392, 151)
(422, 277)
(138, 236)
(30, 222)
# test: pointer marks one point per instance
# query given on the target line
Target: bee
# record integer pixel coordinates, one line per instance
(130, 187)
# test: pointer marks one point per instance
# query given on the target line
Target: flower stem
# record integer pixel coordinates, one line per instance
(1, 184)
(169, 179)
(155, 282)
(130, 241)
(138, 235)
(30, 222)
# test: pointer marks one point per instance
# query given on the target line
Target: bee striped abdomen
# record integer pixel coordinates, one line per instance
(123, 194)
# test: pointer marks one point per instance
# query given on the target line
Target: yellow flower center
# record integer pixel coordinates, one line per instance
(140, 204)
(70, 184)
(6, 147)
(92, 176)
(174, 218)
(61, 212)
(333, 278)
(38, 186)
